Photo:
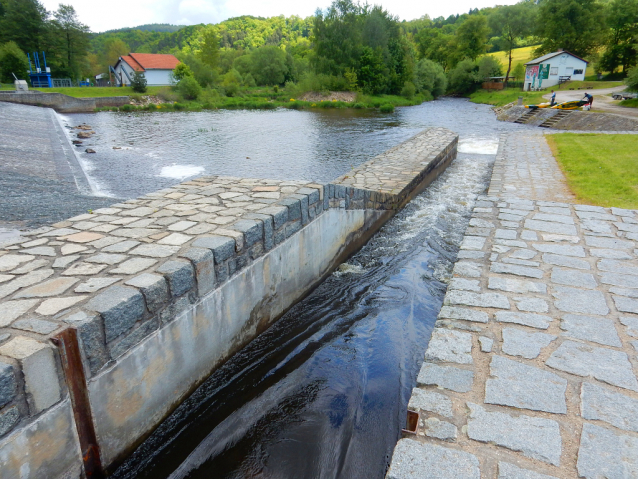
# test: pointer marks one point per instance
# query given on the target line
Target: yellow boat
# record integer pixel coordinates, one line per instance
(566, 105)
(540, 105)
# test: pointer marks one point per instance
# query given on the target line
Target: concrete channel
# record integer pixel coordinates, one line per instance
(111, 318)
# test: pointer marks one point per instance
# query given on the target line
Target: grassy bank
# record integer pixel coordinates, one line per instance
(503, 97)
(91, 92)
(588, 85)
(600, 169)
(633, 103)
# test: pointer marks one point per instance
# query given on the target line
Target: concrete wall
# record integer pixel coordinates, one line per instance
(63, 103)
(188, 293)
(574, 120)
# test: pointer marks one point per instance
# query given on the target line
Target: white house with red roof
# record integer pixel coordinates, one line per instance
(156, 67)
(553, 69)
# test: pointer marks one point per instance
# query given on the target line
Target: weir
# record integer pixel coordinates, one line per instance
(110, 319)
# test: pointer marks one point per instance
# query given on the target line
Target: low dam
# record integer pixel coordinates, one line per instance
(110, 319)
(60, 102)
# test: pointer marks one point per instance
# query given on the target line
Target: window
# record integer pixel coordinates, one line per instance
(578, 72)
(553, 71)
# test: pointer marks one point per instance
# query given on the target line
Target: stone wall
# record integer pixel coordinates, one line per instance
(63, 103)
(112, 318)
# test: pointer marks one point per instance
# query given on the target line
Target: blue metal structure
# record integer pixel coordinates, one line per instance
(40, 77)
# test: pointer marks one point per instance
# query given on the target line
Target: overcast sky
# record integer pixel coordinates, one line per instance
(111, 14)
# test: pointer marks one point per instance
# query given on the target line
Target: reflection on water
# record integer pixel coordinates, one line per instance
(322, 393)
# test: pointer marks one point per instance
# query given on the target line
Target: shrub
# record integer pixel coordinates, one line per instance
(126, 108)
(358, 106)
(12, 60)
(189, 88)
(489, 66)
(167, 94)
(180, 72)
(632, 79)
(232, 89)
(180, 106)
(386, 108)
(409, 90)
(249, 80)
(138, 83)
(151, 107)
(275, 89)
(463, 78)
(430, 77)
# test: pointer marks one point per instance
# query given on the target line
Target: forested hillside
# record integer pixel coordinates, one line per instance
(348, 46)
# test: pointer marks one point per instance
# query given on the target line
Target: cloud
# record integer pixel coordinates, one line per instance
(101, 16)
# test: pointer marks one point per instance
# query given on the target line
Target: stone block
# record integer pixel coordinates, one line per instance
(8, 419)
(612, 243)
(120, 307)
(95, 284)
(605, 454)
(550, 227)
(267, 222)
(155, 250)
(604, 364)
(465, 314)
(484, 300)
(563, 250)
(486, 344)
(615, 266)
(11, 310)
(294, 208)
(253, 231)
(180, 276)
(578, 301)
(599, 403)
(279, 215)
(503, 268)
(53, 306)
(412, 459)
(473, 243)
(532, 305)
(451, 346)
(467, 268)
(422, 400)
(35, 325)
(517, 342)
(438, 429)
(122, 344)
(589, 328)
(573, 278)
(534, 437)
(567, 261)
(39, 370)
(292, 228)
(516, 285)
(91, 339)
(222, 247)
(626, 305)
(8, 383)
(447, 377)
(204, 264)
(154, 288)
(510, 471)
(525, 387)
(464, 284)
(526, 319)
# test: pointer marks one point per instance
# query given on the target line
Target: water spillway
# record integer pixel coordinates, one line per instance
(131, 307)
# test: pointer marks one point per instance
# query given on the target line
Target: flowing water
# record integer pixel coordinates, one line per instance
(322, 393)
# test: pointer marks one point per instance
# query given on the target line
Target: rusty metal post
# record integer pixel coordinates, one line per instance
(67, 342)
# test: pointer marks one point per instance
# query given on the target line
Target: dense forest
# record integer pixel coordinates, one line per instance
(348, 46)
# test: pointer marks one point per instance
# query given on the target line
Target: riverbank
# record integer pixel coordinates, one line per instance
(531, 368)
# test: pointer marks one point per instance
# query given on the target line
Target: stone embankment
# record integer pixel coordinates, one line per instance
(569, 119)
(62, 103)
(531, 368)
(109, 320)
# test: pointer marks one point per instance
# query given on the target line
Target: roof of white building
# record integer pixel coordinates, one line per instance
(538, 60)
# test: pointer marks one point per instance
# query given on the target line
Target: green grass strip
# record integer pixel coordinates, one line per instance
(600, 169)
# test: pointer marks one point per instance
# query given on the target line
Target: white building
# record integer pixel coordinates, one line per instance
(550, 69)
(157, 68)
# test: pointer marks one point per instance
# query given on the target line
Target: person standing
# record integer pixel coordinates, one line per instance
(589, 98)
(553, 100)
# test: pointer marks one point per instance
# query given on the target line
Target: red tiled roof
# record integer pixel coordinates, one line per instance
(153, 61)
(132, 63)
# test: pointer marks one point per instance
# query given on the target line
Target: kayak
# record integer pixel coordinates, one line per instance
(570, 105)
(540, 105)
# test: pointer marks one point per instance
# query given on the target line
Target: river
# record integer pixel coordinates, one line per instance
(322, 393)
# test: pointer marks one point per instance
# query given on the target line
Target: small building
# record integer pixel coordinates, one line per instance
(157, 68)
(553, 69)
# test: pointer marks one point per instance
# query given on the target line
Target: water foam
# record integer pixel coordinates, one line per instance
(478, 146)
(180, 172)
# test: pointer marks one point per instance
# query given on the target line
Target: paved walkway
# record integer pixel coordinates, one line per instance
(531, 369)
(602, 102)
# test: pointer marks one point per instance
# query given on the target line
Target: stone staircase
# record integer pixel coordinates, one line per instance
(527, 116)
(550, 122)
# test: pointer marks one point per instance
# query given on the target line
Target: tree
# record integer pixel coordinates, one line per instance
(632, 79)
(471, 37)
(371, 71)
(573, 25)
(72, 40)
(209, 47)
(24, 22)
(189, 88)
(138, 83)
(489, 66)
(463, 78)
(12, 61)
(621, 50)
(513, 22)
(429, 76)
(181, 71)
(268, 65)
(114, 48)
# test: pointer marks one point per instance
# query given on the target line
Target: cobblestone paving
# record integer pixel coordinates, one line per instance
(531, 368)
(526, 168)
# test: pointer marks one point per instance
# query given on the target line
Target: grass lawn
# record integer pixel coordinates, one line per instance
(525, 54)
(503, 97)
(600, 169)
(588, 85)
(630, 103)
(85, 92)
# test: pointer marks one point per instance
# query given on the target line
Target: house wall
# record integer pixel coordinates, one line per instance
(158, 77)
(118, 70)
(559, 65)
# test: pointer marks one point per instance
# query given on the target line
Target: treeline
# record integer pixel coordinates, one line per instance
(349, 46)
(26, 26)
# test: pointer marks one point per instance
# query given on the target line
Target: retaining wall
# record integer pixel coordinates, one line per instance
(63, 103)
(109, 320)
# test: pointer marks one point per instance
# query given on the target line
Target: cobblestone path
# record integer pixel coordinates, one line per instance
(531, 369)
